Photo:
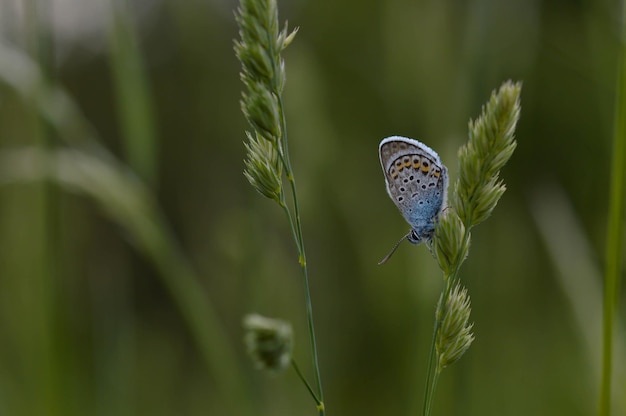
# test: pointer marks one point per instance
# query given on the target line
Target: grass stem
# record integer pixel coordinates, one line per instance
(614, 228)
(299, 240)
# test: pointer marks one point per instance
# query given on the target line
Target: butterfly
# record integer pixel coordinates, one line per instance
(417, 182)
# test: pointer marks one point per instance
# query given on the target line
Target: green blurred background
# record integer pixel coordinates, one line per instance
(92, 320)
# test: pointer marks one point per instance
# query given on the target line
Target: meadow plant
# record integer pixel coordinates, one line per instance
(263, 75)
(474, 196)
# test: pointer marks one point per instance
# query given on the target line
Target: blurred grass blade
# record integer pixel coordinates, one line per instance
(579, 276)
(615, 229)
(33, 273)
(22, 75)
(126, 201)
(134, 105)
(91, 169)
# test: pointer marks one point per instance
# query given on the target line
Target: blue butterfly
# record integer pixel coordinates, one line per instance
(417, 182)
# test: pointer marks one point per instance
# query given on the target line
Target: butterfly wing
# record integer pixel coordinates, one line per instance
(416, 180)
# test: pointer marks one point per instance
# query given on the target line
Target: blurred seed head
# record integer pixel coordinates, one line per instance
(269, 341)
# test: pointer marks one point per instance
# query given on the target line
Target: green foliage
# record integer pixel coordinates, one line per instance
(93, 314)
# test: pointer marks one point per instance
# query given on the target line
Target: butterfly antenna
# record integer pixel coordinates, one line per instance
(393, 250)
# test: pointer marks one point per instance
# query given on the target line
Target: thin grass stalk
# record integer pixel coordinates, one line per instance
(433, 388)
(296, 229)
(299, 240)
(615, 226)
(430, 373)
(305, 381)
(432, 377)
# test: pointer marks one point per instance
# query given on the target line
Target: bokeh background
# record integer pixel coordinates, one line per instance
(131, 245)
